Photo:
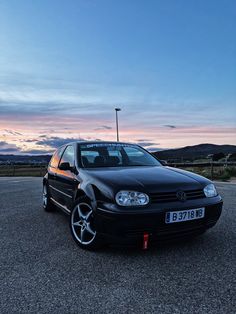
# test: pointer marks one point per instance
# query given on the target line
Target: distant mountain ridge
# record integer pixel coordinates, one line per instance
(25, 158)
(195, 152)
(185, 153)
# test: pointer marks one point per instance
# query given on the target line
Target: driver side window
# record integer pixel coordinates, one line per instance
(68, 156)
(56, 157)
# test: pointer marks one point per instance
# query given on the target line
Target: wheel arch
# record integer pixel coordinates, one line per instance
(91, 192)
(80, 193)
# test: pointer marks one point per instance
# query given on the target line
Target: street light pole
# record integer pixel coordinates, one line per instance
(117, 127)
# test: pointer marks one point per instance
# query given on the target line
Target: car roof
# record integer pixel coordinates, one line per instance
(96, 142)
(104, 142)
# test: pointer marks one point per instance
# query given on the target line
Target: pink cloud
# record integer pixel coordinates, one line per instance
(31, 126)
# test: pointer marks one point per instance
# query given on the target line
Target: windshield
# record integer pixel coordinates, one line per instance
(115, 155)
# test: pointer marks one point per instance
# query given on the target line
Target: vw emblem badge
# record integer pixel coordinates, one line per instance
(181, 195)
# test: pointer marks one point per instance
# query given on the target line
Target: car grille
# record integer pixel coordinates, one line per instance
(163, 197)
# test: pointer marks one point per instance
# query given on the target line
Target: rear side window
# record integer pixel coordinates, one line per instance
(56, 157)
(68, 156)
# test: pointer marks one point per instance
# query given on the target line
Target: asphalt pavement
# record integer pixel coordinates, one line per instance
(42, 270)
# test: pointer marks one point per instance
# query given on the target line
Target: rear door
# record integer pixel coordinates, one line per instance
(66, 180)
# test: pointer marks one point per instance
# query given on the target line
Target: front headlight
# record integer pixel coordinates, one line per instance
(131, 198)
(210, 190)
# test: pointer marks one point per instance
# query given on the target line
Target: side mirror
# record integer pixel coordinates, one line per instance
(64, 166)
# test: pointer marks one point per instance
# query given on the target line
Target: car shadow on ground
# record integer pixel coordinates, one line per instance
(155, 247)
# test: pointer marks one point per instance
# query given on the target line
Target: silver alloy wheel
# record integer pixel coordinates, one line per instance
(81, 223)
(45, 196)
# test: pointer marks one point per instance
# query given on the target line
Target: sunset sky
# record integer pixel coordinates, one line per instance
(66, 64)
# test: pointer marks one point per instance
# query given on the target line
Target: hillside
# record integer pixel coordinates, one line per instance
(26, 159)
(194, 152)
(185, 153)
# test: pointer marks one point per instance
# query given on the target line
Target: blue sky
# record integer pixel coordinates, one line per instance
(170, 66)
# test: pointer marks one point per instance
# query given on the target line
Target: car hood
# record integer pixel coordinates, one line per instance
(146, 179)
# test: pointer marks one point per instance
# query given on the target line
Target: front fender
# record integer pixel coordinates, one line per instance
(94, 194)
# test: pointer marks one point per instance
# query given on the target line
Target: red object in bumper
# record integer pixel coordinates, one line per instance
(145, 240)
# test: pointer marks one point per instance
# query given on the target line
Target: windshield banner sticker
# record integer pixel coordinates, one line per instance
(107, 145)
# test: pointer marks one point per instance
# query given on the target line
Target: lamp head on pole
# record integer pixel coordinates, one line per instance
(117, 109)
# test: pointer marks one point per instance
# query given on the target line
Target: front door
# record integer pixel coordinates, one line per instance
(52, 172)
(66, 181)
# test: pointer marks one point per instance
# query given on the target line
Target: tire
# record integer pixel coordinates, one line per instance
(82, 225)
(48, 206)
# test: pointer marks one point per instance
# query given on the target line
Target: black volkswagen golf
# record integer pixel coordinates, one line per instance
(119, 193)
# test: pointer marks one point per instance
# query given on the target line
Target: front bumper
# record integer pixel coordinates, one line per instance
(127, 226)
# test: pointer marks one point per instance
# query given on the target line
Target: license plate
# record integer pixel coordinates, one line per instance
(185, 215)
